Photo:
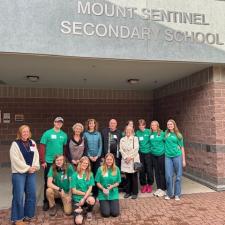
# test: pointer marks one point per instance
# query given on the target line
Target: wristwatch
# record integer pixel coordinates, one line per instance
(60, 189)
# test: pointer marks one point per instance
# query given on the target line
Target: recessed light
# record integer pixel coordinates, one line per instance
(133, 81)
(32, 78)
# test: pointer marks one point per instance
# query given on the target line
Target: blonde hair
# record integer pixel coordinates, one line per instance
(78, 125)
(158, 128)
(176, 130)
(90, 120)
(105, 167)
(88, 170)
(20, 130)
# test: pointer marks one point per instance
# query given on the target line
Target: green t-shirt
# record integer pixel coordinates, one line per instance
(81, 184)
(54, 142)
(144, 142)
(157, 143)
(107, 180)
(61, 179)
(173, 145)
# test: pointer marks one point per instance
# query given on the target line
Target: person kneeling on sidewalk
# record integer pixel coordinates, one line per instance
(81, 185)
(59, 178)
(108, 179)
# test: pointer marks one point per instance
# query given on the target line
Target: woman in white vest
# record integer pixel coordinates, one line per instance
(24, 163)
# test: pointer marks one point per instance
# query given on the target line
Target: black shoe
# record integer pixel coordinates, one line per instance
(52, 210)
(133, 196)
(45, 206)
(127, 195)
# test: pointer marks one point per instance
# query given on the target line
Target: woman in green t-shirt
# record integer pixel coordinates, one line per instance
(108, 179)
(81, 185)
(174, 159)
(158, 157)
(59, 177)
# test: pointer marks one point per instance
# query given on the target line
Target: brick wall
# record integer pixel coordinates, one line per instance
(197, 103)
(41, 106)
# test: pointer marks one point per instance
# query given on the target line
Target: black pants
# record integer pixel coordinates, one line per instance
(159, 168)
(109, 208)
(118, 162)
(46, 180)
(94, 167)
(132, 183)
(146, 175)
(86, 208)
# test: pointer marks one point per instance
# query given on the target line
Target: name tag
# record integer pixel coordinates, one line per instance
(64, 177)
(141, 138)
(106, 174)
(53, 136)
(152, 136)
(32, 149)
(115, 136)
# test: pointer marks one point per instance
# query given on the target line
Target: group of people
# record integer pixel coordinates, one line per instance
(92, 165)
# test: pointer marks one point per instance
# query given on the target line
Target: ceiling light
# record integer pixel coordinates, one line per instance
(32, 78)
(133, 81)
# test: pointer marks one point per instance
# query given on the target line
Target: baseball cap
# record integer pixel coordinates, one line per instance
(59, 119)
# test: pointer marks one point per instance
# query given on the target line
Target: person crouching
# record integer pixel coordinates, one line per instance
(81, 185)
(59, 178)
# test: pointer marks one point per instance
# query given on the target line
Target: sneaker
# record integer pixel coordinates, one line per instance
(149, 188)
(157, 192)
(161, 193)
(89, 216)
(45, 206)
(127, 195)
(27, 219)
(52, 210)
(144, 188)
(133, 196)
(167, 197)
(177, 198)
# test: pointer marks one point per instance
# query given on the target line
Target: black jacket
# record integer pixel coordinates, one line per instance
(114, 144)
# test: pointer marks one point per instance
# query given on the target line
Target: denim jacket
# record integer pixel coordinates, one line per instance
(93, 143)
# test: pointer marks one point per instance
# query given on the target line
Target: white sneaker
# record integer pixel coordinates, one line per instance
(161, 193)
(177, 198)
(156, 193)
(167, 197)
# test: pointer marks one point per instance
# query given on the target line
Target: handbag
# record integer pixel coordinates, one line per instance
(138, 166)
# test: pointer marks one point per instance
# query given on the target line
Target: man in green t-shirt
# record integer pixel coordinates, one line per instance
(52, 143)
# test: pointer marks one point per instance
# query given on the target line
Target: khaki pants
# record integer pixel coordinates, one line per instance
(66, 199)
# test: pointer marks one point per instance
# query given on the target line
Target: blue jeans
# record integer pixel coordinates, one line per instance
(173, 165)
(23, 183)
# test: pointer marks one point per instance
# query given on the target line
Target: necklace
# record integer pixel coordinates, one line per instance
(26, 145)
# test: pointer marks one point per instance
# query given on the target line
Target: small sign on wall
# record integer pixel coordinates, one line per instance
(19, 117)
(6, 117)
